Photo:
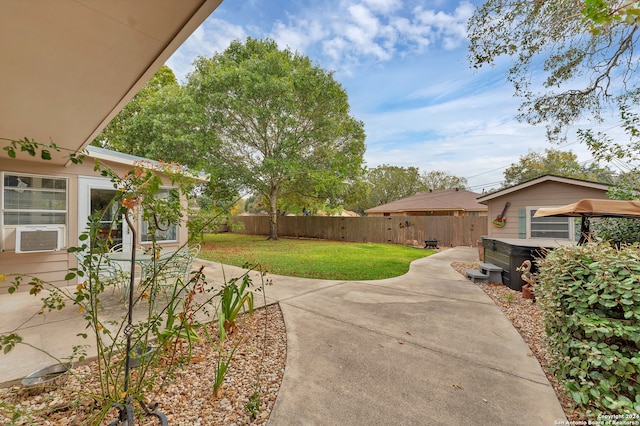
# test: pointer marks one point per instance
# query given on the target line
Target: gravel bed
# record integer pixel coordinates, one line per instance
(187, 398)
(526, 317)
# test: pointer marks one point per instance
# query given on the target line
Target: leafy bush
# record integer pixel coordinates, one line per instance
(619, 229)
(590, 299)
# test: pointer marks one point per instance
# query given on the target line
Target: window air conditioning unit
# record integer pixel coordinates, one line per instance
(30, 239)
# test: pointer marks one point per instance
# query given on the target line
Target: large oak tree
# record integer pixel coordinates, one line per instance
(160, 123)
(437, 179)
(391, 183)
(282, 123)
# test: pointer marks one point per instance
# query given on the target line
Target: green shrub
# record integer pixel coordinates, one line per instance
(590, 299)
(619, 229)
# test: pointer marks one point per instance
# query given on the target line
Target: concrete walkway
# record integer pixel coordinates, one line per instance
(427, 348)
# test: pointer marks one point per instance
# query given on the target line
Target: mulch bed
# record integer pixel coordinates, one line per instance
(187, 398)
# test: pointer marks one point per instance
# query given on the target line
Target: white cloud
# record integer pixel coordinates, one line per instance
(351, 33)
(347, 32)
(363, 17)
(416, 35)
(333, 48)
(451, 28)
(383, 6)
(213, 36)
(363, 32)
(298, 36)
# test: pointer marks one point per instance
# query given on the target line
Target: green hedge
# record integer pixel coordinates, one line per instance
(590, 299)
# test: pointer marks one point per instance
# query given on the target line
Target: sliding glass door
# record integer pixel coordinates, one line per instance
(96, 195)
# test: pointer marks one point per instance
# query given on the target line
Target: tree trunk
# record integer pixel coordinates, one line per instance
(273, 216)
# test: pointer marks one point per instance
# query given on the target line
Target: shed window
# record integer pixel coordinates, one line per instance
(550, 226)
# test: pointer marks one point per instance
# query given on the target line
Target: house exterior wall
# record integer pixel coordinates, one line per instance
(545, 194)
(53, 266)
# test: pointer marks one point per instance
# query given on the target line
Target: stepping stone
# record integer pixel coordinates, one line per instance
(477, 276)
(494, 272)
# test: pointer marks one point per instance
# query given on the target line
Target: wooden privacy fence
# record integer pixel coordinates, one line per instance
(450, 231)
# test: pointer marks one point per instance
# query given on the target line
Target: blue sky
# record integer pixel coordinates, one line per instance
(404, 66)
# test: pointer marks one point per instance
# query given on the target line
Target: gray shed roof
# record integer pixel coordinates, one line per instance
(546, 178)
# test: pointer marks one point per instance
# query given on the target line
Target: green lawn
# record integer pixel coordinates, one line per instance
(312, 258)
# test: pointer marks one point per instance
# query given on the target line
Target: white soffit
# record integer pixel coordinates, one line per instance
(69, 66)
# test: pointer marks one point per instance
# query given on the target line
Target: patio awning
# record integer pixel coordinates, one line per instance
(588, 208)
(594, 208)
